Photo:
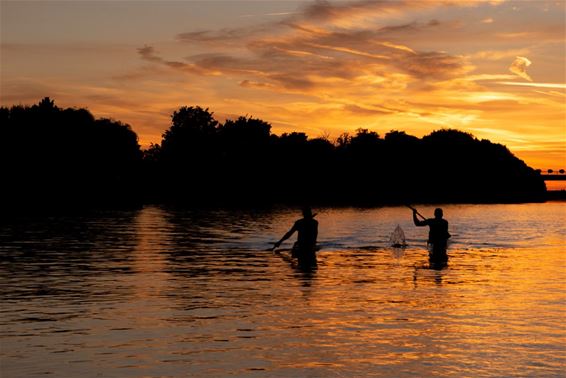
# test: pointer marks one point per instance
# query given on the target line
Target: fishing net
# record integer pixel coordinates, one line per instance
(397, 238)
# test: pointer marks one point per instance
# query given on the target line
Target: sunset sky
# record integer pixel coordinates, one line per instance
(494, 68)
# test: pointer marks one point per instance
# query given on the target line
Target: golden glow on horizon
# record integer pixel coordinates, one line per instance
(555, 185)
(493, 68)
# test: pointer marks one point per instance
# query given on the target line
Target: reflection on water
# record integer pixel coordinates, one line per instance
(170, 292)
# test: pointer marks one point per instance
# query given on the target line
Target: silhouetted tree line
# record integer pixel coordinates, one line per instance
(51, 157)
(200, 159)
(63, 155)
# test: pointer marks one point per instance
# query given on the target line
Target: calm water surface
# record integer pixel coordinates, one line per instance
(165, 292)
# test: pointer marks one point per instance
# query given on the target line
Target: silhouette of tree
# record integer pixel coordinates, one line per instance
(191, 134)
(365, 140)
(343, 140)
(460, 166)
(244, 149)
(244, 142)
(187, 155)
(60, 157)
(54, 155)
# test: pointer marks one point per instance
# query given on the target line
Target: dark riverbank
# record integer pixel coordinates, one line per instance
(556, 195)
(65, 158)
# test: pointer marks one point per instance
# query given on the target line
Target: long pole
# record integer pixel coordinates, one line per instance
(416, 211)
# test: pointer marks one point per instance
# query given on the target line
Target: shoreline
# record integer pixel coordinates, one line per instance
(556, 195)
(12, 210)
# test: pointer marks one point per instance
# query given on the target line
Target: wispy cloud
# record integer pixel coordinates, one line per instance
(536, 85)
(498, 54)
(367, 111)
(148, 53)
(273, 14)
(561, 95)
(303, 56)
(519, 67)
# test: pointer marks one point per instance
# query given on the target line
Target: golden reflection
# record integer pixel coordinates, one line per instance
(208, 300)
(148, 262)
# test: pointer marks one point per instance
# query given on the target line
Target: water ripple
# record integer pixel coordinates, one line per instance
(173, 292)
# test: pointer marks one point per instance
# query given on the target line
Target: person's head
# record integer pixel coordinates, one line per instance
(438, 213)
(307, 212)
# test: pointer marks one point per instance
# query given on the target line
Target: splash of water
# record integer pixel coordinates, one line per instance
(397, 238)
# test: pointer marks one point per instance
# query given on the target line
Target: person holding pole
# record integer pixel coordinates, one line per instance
(438, 234)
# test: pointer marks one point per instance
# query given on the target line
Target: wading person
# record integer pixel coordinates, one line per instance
(437, 236)
(305, 247)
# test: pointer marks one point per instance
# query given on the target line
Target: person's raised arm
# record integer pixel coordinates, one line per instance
(286, 236)
(416, 220)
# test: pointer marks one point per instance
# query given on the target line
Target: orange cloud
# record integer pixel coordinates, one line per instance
(519, 67)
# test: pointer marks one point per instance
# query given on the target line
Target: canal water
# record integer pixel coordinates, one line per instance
(167, 292)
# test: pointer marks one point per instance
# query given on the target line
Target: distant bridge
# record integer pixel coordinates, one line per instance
(552, 175)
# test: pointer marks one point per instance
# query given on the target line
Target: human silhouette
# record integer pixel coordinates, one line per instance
(438, 235)
(304, 248)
